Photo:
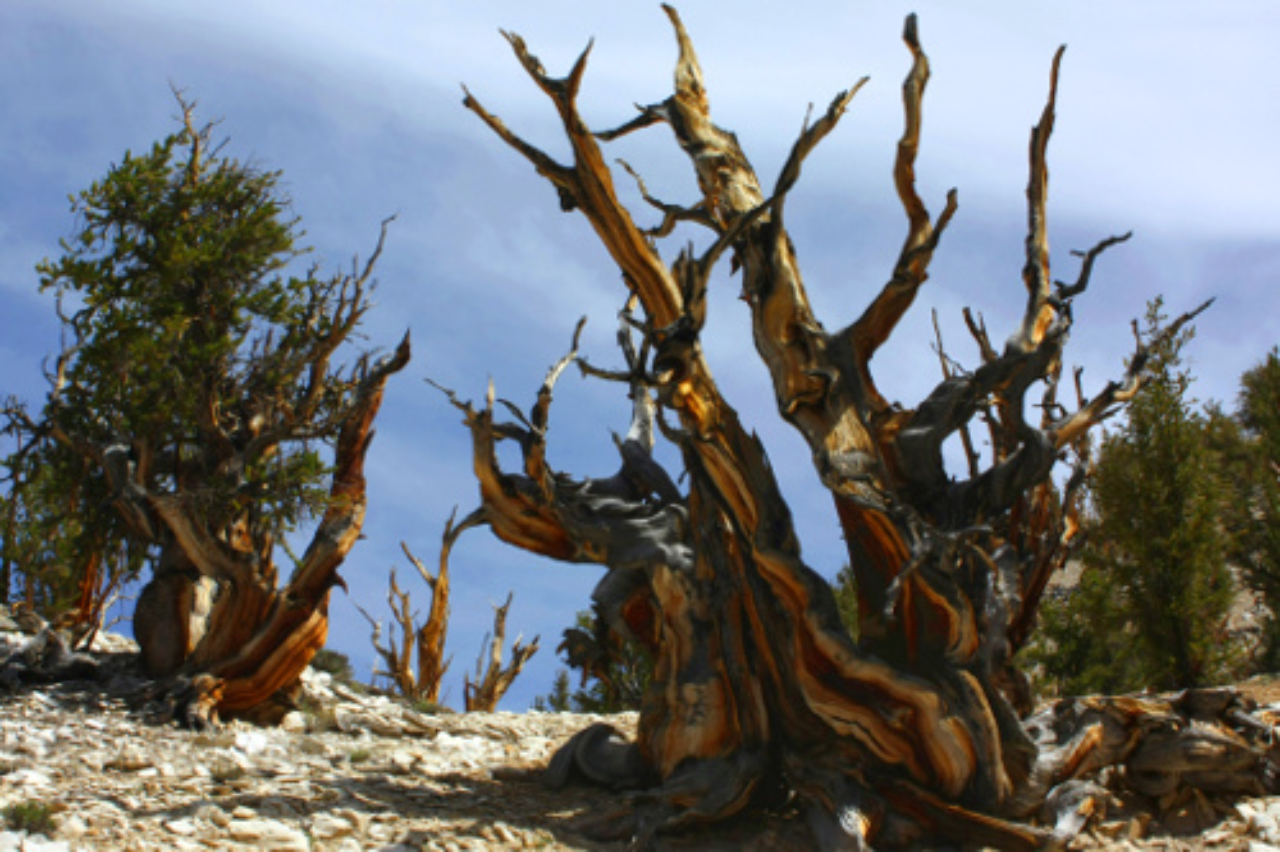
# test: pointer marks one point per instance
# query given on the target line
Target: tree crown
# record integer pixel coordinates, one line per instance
(196, 358)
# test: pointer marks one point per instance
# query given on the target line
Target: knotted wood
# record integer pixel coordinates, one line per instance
(910, 733)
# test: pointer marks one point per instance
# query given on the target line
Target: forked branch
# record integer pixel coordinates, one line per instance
(588, 186)
(493, 680)
(424, 640)
(1109, 401)
(880, 318)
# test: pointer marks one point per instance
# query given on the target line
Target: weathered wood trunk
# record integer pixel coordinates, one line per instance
(172, 614)
(912, 731)
(215, 615)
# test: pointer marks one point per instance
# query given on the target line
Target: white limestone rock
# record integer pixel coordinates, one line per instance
(268, 834)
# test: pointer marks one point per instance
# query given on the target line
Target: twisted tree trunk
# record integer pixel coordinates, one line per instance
(215, 616)
(910, 732)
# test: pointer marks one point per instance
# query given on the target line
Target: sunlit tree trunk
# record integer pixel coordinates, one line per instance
(912, 731)
(215, 614)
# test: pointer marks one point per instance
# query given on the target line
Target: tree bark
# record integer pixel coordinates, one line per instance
(908, 734)
(245, 657)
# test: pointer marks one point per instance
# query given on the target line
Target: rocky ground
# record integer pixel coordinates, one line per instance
(89, 764)
(350, 771)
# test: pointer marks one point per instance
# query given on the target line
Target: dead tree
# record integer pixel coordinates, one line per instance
(425, 640)
(906, 734)
(493, 680)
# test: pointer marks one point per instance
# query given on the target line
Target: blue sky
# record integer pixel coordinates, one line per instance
(1166, 126)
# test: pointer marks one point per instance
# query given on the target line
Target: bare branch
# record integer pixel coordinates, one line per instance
(881, 317)
(559, 175)
(949, 370)
(1065, 291)
(904, 174)
(808, 140)
(493, 681)
(671, 213)
(588, 186)
(1040, 310)
(649, 116)
(396, 665)
(978, 329)
(1069, 429)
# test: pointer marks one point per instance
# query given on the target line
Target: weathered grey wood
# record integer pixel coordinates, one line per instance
(911, 733)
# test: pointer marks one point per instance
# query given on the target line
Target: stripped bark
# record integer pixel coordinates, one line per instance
(911, 733)
(260, 635)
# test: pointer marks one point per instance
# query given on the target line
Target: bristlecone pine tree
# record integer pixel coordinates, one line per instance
(1157, 530)
(759, 695)
(190, 408)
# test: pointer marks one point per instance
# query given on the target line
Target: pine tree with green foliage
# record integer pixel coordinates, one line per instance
(1083, 641)
(58, 555)
(1151, 609)
(560, 699)
(613, 677)
(199, 412)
